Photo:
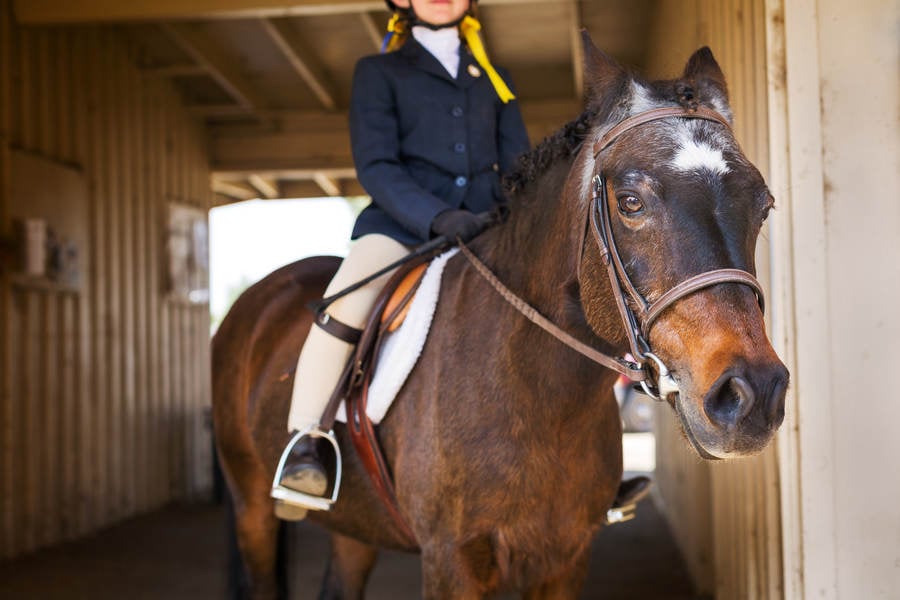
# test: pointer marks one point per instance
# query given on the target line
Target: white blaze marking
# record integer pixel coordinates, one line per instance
(693, 155)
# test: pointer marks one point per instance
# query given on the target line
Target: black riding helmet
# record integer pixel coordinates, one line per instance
(411, 15)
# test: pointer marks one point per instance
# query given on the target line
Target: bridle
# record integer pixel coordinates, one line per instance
(637, 325)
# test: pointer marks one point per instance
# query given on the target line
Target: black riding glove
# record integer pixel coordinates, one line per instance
(459, 223)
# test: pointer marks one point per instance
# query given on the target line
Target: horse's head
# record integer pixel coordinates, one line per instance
(681, 200)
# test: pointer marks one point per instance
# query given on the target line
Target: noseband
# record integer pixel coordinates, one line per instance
(638, 326)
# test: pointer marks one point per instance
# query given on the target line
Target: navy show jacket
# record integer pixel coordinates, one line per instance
(424, 142)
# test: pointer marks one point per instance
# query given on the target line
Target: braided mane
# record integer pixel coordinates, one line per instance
(562, 144)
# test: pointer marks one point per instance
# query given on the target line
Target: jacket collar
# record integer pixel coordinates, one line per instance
(422, 59)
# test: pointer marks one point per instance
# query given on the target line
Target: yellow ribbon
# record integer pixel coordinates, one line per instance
(469, 27)
(397, 31)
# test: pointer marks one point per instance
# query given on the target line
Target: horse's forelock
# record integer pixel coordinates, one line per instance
(696, 144)
(685, 145)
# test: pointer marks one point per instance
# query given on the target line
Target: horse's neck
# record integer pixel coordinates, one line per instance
(534, 252)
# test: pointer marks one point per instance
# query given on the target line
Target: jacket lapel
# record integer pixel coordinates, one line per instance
(424, 60)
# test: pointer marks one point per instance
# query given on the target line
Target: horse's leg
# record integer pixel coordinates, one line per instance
(449, 571)
(565, 586)
(256, 530)
(257, 536)
(349, 567)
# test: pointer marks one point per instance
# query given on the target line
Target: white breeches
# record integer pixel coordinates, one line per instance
(324, 356)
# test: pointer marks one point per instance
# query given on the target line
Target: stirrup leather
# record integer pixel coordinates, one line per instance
(286, 494)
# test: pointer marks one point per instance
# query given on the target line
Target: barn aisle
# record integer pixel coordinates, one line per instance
(177, 554)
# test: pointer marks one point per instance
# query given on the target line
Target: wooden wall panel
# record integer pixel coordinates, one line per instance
(726, 517)
(6, 405)
(104, 384)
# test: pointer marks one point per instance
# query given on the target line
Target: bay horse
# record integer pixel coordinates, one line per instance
(505, 445)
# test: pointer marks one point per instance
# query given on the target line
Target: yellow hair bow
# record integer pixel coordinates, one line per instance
(469, 27)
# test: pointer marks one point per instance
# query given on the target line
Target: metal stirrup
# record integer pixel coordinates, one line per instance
(291, 496)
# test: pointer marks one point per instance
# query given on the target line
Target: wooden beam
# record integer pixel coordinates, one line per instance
(301, 59)
(212, 111)
(174, 71)
(372, 30)
(215, 62)
(284, 177)
(265, 186)
(37, 12)
(309, 189)
(233, 190)
(329, 185)
(320, 141)
(577, 48)
(48, 12)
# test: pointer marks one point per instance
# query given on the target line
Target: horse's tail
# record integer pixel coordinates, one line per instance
(238, 582)
(238, 585)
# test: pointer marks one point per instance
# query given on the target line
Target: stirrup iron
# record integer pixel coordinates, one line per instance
(291, 496)
(620, 514)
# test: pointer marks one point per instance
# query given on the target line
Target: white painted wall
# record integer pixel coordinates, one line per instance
(839, 265)
(832, 156)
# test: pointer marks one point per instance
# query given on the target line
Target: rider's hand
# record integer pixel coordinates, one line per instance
(458, 223)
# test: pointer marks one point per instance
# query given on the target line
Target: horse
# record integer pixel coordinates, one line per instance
(632, 229)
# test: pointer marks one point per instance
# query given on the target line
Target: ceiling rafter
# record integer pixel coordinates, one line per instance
(213, 111)
(302, 60)
(233, 189)
(319, 141)
(47, 12)
(266, 186)
(216, 64)
(34, 12)
(329, 185)
(575, 26)
(167, 71)
(372, 29)
(286, 175)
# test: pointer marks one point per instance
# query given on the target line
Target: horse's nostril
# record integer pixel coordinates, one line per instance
(731, 402)
(775, 401)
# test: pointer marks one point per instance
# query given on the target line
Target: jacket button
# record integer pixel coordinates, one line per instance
(461, 181)
(459, 147)
(456, 111)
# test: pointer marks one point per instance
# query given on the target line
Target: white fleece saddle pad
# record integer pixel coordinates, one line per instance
(401, 349)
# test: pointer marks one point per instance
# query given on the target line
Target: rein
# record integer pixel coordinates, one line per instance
(637, 327)
(629, 369)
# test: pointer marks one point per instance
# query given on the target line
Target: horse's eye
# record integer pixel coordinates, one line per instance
(630, 205)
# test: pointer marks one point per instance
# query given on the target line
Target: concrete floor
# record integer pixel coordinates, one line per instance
(178, 554)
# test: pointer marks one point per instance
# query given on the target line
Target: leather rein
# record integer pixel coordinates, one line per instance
(637, 325)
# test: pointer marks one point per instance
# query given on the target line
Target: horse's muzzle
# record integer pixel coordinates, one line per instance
(740, 412)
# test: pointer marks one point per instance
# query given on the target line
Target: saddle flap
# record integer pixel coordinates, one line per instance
(398, 304)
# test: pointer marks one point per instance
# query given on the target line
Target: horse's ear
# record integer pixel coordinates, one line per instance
(601, 72)
(704, 72)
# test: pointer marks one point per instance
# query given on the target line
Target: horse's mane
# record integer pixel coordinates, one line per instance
(562, 144)
(567, 141)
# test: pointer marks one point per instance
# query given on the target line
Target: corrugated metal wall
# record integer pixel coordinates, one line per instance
(726, 516)
(104, 384)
